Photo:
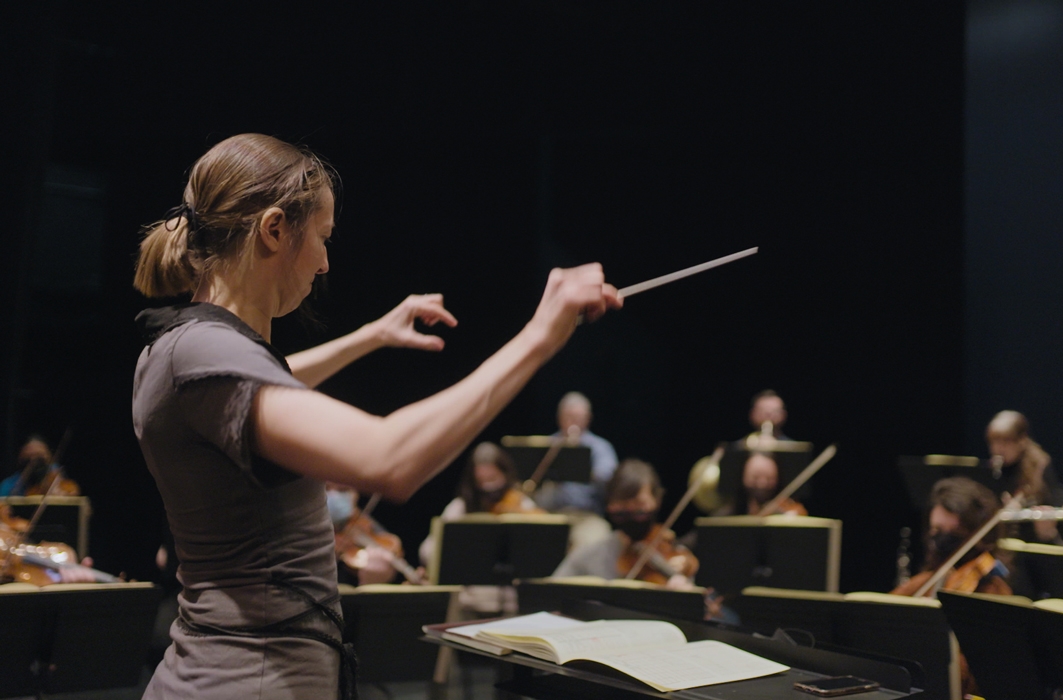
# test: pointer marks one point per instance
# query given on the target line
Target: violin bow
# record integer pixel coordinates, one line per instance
(935, 581)
(649, 549)
(799, 481)
(532, 482)
(20, 538)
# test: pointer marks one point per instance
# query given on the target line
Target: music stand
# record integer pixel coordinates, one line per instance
(920, 473)
(1043, 564)
(494, 550)
(572, 463)
(1014, 649)
(790, 456)
(553, 594)
(65, 519)
(76, 637)
(384, 621)
(781, 551)
(897, 626)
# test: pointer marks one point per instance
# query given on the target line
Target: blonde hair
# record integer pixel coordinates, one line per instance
(228, 189)
(1034, 460)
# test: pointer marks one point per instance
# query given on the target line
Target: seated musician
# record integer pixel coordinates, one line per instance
(35, 472)
(760, 484)
(1024, 465)
(357, 565)
(633, 497)
(958, 508)
(768, 407)
(488, 484)
(581, 502)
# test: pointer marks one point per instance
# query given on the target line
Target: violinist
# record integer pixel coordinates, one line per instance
(1025, 466)
(35, 472)
(633, 498)
(760, 484)
(359, 565)
(488, 484)
(958, 508)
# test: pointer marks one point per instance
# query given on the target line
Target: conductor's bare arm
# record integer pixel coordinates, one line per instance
(394, 329)
(394, 455)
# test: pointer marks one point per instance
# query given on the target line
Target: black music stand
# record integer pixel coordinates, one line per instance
(781, 551)
(922, 472)
(791, 457)
(897, 626)
(65, 519)
(572, 463)
(1014, 648)
(553, 594)
(75, 637)
(494, 550)
(384, 621)
(1042, 564)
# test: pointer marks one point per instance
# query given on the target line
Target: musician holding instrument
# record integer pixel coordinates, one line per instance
(488, 484)
(633, 499)
(768, 408)
(358, 564)
(583, 503)
(958, 508)
(760, 484)
(35, 471)
(1024, 466)
(239, 443)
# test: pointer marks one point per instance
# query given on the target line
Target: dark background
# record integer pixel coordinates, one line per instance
(483, 143)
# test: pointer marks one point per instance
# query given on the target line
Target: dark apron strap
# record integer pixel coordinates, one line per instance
(348, 689)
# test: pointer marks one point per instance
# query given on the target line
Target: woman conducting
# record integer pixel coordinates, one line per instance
(239, 444)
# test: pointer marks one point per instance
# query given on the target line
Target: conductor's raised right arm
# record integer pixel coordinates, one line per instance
(312, 434)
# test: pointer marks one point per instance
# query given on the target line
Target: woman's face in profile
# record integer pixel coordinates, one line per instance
(311, 258)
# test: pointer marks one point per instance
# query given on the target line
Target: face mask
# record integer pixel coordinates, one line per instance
(340, 507)
(636, 524)
(494, 495)
(940, 546)
(761, 496)
(34, 470)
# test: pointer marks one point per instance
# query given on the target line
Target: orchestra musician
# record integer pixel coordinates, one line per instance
(958, 508)
(1026, 467)
(488, 484)
(35, 472)
(357, 564)
(768, 407)
(760, 484)
(240, 445)
(583, 503)
(633, 498)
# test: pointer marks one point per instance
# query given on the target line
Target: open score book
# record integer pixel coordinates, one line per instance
(651, 651)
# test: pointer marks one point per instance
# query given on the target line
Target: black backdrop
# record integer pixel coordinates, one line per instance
(482, 143)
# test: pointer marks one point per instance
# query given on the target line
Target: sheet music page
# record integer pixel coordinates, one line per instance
(593, 637)
(689, 666)
(521, 625)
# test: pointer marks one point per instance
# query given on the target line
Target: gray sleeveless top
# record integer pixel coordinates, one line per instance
(238, 521)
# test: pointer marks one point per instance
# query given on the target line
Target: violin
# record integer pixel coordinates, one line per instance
(41, 564)
(663, 558)
(513, 502)
(363, 532)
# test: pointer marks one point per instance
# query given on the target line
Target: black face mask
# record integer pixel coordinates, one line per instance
(33, 470)
(489, 498)
(761, 496)
(942, 545)
(636, 524)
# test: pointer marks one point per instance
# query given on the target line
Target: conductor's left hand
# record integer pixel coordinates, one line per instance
(397, 328)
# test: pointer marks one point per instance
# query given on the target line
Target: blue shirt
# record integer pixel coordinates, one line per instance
(588, 497)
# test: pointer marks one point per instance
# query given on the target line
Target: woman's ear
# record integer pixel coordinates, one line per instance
(271, 227)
